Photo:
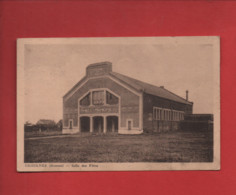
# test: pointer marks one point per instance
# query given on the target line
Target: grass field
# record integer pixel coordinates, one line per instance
(178, 146)
(42, 133)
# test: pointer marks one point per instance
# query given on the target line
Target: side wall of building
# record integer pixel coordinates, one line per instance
(151, 101)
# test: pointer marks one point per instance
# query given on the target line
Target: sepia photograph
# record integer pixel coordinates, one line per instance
(118, 104)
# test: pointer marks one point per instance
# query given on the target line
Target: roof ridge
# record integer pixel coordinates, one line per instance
(111, 73)
(135, 79)
(152, 85)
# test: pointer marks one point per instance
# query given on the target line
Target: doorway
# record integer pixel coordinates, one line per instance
(70, 124)
(84, 124)
(98, 124)
(129, 124)
(112, 124)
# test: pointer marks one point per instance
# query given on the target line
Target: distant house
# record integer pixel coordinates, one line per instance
(106, 101)
(44, 124)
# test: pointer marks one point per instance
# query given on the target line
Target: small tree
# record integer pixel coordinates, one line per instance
(59, 124)
(45, 124)
(28, 126)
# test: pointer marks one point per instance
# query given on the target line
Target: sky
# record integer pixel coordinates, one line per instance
(53, 69)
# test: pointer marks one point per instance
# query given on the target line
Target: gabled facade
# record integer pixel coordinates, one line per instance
(105, 101)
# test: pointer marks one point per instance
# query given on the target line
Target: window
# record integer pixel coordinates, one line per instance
(85, 101)
(167, 114)
(181, 115)
(156, 113)
(177, 115)
(98, 98)
(111, 99)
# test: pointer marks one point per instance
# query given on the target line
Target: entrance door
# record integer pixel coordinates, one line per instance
(84, 124)
(98, 124)
(112, 124)
(70, 124)
(129, 125)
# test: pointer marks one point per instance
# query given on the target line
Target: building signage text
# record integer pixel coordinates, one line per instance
(104, 109)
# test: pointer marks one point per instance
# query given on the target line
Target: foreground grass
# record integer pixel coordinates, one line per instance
(175, 146)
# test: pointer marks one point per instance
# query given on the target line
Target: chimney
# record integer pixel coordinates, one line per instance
(98, 69)
(187, 95)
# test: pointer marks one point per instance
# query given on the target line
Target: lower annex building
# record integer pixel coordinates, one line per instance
(105, 101)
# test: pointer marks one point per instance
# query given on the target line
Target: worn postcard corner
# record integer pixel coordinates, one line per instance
(118, 104)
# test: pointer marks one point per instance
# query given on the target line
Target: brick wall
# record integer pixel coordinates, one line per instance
(149, 101)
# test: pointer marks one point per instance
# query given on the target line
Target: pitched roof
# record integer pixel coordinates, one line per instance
(45, 122)
(149, 89)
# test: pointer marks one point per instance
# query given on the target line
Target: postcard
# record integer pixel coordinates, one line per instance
(118, 104)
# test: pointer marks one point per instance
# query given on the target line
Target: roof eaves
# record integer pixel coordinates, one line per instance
(178, 96)
(168, 99)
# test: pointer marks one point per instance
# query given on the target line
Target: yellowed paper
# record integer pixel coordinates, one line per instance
(118, 104)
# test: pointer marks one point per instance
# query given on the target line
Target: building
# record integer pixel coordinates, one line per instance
(106, 101)
(197, 122)
(45, 124)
